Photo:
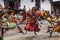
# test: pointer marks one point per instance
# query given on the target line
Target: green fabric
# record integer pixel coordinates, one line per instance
(11, 25)
(4, 19)
(5, 38)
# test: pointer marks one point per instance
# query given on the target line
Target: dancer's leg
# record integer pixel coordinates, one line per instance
(20, 30)
(35, 33)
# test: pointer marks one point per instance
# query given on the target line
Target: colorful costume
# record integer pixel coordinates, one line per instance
(57, 28)
(43, 14)
(13, 20)
(25, 14)
(32, 25)
(39, 13)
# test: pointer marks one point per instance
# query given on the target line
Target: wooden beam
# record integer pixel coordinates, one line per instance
(43, 0)
(31, 0)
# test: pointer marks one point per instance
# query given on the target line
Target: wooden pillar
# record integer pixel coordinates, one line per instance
(31, 0)
(19, 2)
(5, 1)
(43, 0)
(37, 3)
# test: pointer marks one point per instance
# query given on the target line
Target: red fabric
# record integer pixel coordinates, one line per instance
(18, 18)
(39, 13)
(32, 26)
(25, 14)
(7, 15)
(13, 20)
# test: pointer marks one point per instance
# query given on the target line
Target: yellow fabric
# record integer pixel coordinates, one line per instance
(49, 19)
(57, 28)
(43, 12)
(32, 21)
(12, 13)
(4, 15)
(52, 17)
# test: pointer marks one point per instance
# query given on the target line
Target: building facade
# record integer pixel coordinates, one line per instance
(46, 5)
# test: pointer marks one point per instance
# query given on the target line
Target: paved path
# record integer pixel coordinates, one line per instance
(42, 35)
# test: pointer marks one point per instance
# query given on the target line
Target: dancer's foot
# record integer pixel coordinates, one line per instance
(6, 29)
(26, 32)
(21, 32)
(35, 33)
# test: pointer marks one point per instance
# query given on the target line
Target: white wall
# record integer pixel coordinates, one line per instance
(55, 0)
(2, 2)
(46, 6)
(28, 4)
